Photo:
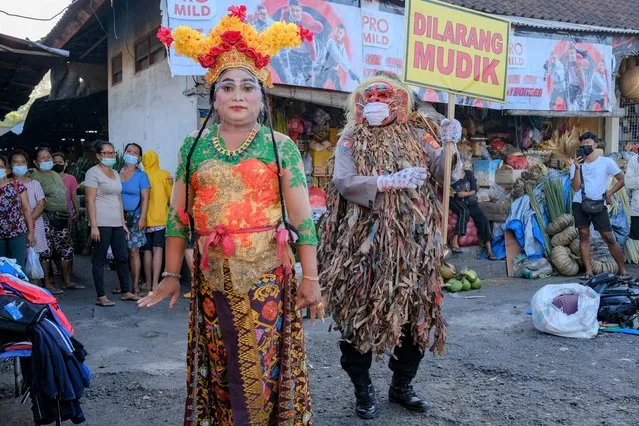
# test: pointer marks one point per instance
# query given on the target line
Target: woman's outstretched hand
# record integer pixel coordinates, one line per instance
(168, 287)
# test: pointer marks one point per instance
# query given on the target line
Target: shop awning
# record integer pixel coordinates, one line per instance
(315, 96)
(23, 63)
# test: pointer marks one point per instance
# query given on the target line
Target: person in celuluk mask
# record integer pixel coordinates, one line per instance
(381, 248)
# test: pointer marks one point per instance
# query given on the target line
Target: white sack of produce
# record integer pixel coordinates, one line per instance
(551, 319)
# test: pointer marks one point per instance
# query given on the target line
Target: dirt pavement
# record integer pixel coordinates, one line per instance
(497, 368)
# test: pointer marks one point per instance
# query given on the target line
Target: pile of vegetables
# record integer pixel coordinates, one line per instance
(466, 280)
(606, 264)
(517, 162)
(472, 234)
(554, 195)
(534, 205)
(565, 255)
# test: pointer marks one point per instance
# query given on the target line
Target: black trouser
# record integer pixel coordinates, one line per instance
(116, 238)
(465, 211)
(404, 364)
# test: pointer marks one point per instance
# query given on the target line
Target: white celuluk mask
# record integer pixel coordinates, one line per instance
(375, 113)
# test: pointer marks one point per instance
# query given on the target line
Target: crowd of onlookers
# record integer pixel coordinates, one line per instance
(126, 211)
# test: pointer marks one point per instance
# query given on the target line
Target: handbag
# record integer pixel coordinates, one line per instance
(57, 220)
(588, 205)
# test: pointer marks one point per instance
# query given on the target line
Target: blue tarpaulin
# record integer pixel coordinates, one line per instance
(523, 224)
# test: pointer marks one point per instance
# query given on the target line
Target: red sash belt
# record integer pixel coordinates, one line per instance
(221, 237)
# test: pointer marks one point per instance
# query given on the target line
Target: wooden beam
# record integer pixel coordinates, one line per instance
(76, 22)
(93, 46)
(616, 112)
(12, 65)
(316, 96)
(29, 52)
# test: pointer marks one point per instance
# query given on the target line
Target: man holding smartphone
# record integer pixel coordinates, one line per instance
(591, 197)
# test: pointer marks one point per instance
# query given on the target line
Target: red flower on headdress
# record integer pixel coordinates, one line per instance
(251, 53)
(164, 35)
(261, 61)
(305, 33)
(241, 46)
(217, 51)
(231, 37)
(238, 11)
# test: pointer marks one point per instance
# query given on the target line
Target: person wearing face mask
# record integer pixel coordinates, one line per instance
(56, 219)
(19, 169)
(103, 191)
(71, 183)
(135, 200)
(590, 174)
(384, 221)
(16, 224)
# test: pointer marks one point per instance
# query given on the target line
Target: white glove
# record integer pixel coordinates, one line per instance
(450, 131)
(410, 178)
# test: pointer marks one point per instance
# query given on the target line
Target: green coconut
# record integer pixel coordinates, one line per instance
(470, 275)
(454, 285)
(476, 285)
(465, 285)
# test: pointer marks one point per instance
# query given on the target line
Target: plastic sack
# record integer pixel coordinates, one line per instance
(32, 266)
(534, 274)
(497, 193)
(550, 319)
(533, 265)
(471, 238)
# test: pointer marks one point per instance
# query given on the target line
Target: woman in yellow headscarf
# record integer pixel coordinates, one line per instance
(159, 199)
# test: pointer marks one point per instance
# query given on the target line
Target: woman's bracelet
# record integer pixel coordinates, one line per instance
(310, 278)
(171, 274)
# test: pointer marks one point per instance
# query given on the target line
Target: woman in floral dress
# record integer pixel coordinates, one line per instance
(19, 160)
(246, 361)
(16, 225)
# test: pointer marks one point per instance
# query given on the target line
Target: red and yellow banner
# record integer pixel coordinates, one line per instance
(455, 49)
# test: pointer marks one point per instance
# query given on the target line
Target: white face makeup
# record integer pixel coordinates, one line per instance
(238, 97)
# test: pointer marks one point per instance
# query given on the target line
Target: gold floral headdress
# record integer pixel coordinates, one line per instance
(235, 44)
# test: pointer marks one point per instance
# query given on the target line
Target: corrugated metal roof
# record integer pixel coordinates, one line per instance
(618, 14)
(565, 26)
(23, 65)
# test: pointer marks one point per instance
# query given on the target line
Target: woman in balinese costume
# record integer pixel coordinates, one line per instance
(246, 361)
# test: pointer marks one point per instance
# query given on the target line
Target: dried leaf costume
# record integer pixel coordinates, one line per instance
(246, 361)
(380, 252)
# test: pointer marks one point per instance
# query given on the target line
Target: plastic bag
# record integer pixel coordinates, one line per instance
(497, 193)
(32, 266)
(533, 265)
(548, 318)
(534, 274)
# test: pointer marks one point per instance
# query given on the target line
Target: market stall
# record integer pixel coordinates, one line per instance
(315, 129)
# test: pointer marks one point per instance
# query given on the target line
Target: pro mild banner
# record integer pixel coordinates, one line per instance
(333, 60)
(559, 73)
(352, 43)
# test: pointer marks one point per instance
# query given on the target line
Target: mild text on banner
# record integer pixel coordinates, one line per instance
(191, 9)
(376, 31)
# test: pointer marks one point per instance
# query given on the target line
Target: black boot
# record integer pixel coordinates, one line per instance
(366, 401)
(401, 392)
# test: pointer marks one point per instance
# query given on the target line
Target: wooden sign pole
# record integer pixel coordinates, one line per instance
(448, 165)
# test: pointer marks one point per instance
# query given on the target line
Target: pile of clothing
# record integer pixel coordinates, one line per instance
(34, 328)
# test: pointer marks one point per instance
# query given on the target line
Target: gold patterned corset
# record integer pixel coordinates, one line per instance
(236, 211)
